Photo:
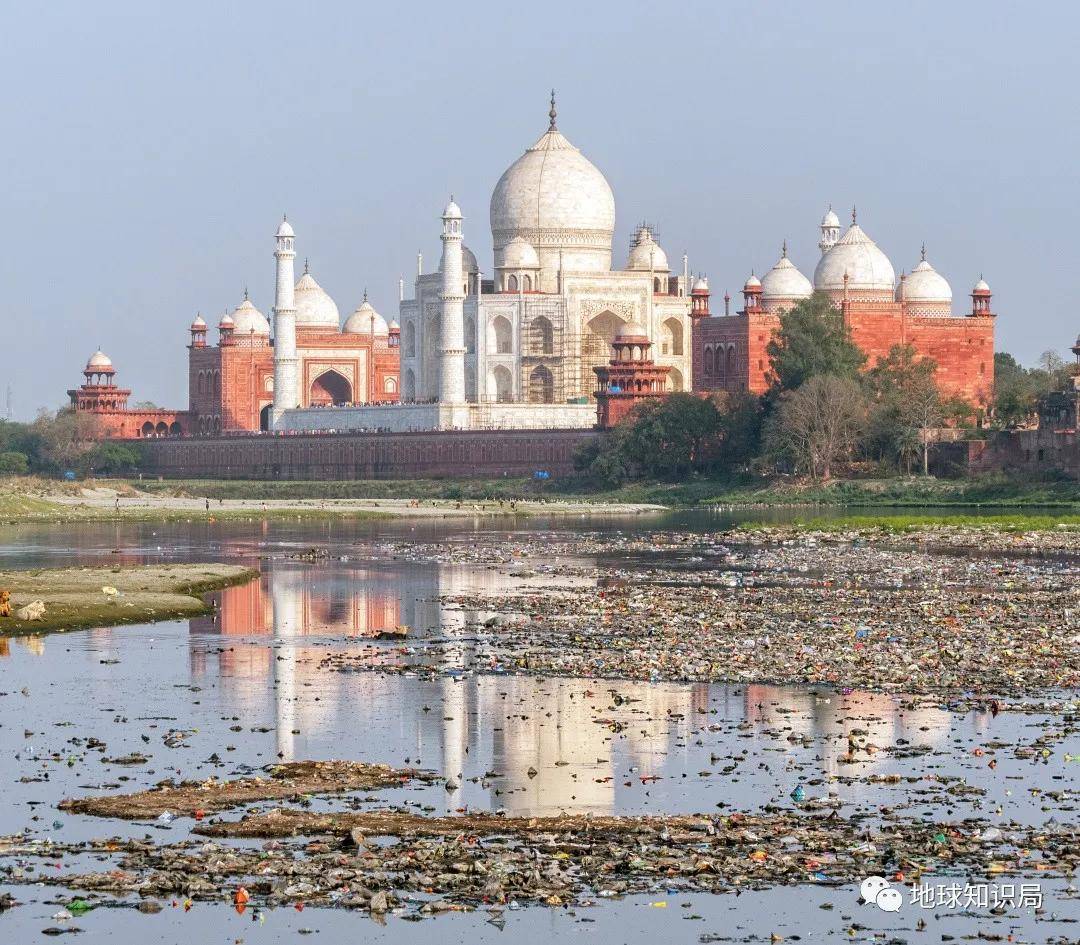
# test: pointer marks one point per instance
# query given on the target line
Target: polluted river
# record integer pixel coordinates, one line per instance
(607, 730)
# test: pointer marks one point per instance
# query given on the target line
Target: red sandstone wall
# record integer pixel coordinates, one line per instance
(367, 455)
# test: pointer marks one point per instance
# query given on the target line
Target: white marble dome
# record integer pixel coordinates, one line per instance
(553, 196)
(198, 323)
(646, 254)
(830, 218)
(633, 330)
(99, 361)
(701, 285)
(365, 320)
(285, 229)
(752, 283)
(314, 308)
(926, 284)
(981, 286)
(247, 319)
(785, 282)
(856, 255)
(519, 254)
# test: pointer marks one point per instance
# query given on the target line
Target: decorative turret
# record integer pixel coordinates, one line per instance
(699, 299)
(752, 296)
(198, 332)
(286, 390)
(452, 327)
(225, 329)
(630, 377)
(830, 230)
(980, 300)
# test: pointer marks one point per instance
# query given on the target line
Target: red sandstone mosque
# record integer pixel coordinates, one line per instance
(231, 384)
(880, 311)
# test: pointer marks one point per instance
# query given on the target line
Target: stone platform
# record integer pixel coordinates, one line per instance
(414, 418)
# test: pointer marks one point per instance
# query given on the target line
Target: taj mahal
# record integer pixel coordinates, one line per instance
(516, 350)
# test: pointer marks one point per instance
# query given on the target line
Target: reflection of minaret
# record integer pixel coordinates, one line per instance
(288, 596)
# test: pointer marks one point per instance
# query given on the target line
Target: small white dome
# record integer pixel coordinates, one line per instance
(247, 319)
(858, 257)
(926, 284)
(198, 322)
(830, 218)
(646, 254)
(981, 286)
(99, 361)
(394, 326)
(784, 281)
(285, 229)
(314, 308)
(520, 254)
(226, 321)
(752, 283)
(452, 211)
(365, 320)
(702, 285)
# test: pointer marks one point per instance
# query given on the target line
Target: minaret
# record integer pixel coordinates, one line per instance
(830, 230)
(452, 335)
(286, 396)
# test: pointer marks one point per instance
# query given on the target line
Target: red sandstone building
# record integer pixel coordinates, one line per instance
(631, 377)
(231, 384)
(730, 351)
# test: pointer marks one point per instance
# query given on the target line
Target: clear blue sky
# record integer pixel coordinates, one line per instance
(150, 149)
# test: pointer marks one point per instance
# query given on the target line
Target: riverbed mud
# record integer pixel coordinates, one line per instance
(291, 779)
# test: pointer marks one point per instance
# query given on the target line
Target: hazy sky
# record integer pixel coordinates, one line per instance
(150, 148)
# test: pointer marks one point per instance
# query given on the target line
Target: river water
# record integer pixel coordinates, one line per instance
(248, 687)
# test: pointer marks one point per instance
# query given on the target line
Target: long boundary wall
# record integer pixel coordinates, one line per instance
(326, 456)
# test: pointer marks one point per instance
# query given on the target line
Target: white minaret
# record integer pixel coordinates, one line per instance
(286, 395)
(452, 335)
(830, 230)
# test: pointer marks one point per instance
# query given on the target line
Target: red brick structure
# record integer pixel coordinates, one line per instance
(100, 398)
(482, 453)
(729, 352)
(631, 377)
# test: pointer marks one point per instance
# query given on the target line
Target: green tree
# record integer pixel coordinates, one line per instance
(64, 437)
(906, 406)
(13, 463)
(812, 340)
(675, 436)
(110, 459)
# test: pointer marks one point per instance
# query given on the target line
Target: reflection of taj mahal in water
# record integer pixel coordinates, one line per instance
(549, 742)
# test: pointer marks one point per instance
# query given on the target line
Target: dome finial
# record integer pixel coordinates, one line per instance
(306, 267)
(854, 215)
(245, 293)
(552, 113)
(783, 250)
(365, 293)
(924, 251)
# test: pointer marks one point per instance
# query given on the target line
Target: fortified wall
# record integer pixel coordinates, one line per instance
(320, 456)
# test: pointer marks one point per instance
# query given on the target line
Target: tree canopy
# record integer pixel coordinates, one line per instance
(812, 340)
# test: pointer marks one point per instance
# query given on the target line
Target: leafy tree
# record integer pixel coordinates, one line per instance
(818, 425)
(812, 340)
(906, 406)
(1014, 392)
(13, 463)
(65, 437)
(111, 459)
(675, 436)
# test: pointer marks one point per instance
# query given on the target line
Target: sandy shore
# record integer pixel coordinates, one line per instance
(103, 502)
(73, 598)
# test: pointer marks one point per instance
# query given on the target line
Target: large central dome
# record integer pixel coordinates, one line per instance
(554, 198)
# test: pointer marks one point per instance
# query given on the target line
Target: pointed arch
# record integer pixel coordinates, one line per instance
(501, 336)
(541, 386)
(542, 336)
(330, 388)
(410, 339)
(600, 331)
(408, 389)
(675, 380)
(500, 385)
(672, 334)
